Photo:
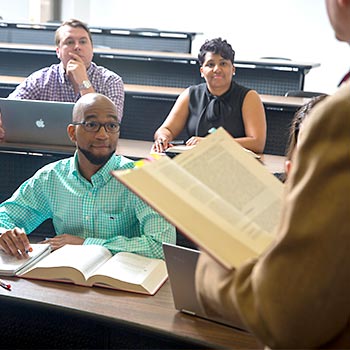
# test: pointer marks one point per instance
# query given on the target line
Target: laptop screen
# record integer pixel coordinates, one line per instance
(36, 122)
(181, 263)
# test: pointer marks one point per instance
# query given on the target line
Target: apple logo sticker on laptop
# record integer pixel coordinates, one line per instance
(40, 123)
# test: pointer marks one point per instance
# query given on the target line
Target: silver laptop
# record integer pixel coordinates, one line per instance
(36, 122)
(181, 264)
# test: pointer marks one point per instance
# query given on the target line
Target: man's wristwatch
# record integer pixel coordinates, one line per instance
(85, 85)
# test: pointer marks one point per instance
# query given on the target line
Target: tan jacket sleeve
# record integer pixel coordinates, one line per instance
(297, 295)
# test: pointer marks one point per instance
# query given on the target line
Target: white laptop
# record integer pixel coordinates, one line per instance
(36, 122)
(181, 264)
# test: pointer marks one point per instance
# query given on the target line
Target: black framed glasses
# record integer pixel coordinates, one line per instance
(93, 126)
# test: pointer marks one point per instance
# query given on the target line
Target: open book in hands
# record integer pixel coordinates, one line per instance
(94, 265)
(217, 194)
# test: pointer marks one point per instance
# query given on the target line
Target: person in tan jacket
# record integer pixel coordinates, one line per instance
(297, 294)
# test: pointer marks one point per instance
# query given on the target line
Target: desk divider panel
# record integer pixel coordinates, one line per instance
(4, 34)
(120, 38)
(148, 43)
(278, 120)
(152, 71)
(23, 63)
(134, 70)
(31, 36)
(18, 168)
(270, 81)
(6, 89)
(161, 69)
(144, 113)
(15, 169)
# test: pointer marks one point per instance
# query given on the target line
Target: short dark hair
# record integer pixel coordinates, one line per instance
(216, 46)
(75, 23)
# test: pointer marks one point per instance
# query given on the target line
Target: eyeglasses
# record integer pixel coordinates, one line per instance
(110, 127)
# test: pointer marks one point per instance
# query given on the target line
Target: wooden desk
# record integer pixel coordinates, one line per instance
(52, 312)
(134, 66)
(273, 100)
(161, 68)
(147, 106)
(133, 149)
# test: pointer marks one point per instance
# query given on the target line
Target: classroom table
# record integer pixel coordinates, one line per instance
(146, 107)
(38, 314)
(133, 149)
(161, 68)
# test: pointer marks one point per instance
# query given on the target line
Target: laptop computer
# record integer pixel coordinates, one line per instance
(36, 122)
(181, 264)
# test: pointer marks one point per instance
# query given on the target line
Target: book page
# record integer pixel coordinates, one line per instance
(204, 199)
(198, 212)
(131, 272)
(128, 267)
(228, 170)
(82, 258)
(10, 265)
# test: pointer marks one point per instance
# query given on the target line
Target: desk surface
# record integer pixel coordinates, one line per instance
(273, 100)
(128, 148)
(173, 91)
(134, 149)
(147, 313)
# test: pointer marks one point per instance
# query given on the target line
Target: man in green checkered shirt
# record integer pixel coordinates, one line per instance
(86, 204)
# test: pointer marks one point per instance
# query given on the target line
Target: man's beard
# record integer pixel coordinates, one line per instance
(96, 160)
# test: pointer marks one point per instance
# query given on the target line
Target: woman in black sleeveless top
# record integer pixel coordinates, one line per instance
(217, 102)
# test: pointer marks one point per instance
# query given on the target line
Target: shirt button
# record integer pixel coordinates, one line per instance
(87, 217)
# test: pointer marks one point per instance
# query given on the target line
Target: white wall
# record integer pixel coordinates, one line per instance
(16, 10)
(295, 29)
